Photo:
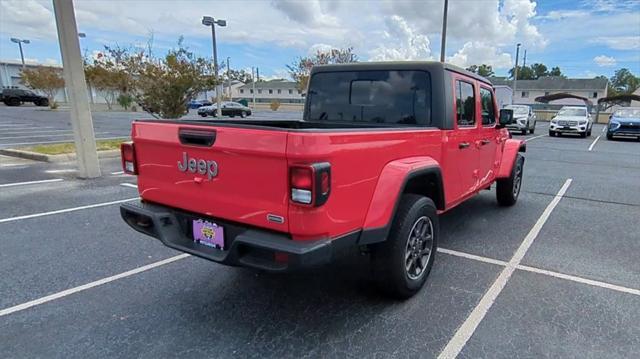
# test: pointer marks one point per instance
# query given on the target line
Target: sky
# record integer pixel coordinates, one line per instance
(585, 38)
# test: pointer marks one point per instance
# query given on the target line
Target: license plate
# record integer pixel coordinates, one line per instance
(208, 234)
(566, 128)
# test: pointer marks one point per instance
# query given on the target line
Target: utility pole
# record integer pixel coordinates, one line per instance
(515, 72)
(258, 73)
(524, 60)
(253, 80)
(73, 70)
(444, 31)
(229, 80)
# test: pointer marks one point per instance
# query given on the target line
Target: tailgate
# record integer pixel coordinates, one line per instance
(248, 184)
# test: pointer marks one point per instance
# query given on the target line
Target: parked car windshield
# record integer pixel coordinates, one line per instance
(572, 112)
(370, 97)
(628, 113)
(520, 110)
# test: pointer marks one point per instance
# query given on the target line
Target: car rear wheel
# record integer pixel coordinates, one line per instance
(508, 189)
(243, 114)
(402, 263)
(203, 114)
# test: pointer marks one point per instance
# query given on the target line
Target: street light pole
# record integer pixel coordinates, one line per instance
(209, 21)
(19, 42)
(73, 69)
(253, 83)
(515, 72)
(444, 30)
(229, 80)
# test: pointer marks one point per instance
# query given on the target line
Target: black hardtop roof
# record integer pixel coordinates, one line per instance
(430, 66)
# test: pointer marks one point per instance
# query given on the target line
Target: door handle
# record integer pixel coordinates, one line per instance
(463, 145)
(485, 142)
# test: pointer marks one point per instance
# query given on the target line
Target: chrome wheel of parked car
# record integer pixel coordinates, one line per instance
(419, 247)
(243, 114)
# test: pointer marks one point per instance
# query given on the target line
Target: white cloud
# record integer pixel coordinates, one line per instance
(27, 19)
(401, 42)
(477, 53)
(315, 48)
(619, 42)
(604, 61)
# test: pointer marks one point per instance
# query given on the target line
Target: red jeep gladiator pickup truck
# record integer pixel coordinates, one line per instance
(381, 150)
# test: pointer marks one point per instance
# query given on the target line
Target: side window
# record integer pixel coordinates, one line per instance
(488, 110)
(465, 104)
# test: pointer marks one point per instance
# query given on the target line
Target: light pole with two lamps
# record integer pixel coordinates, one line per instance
(209, 21)
(20, 42)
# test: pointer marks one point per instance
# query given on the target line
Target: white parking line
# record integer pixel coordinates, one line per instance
(533, 138)
(56, 135)
(129, 185)
(68, 170)
(472, 256)
(117, 173)
(94, 284)
(594, 143)
(32, 130)
(604, 128)
(42, 214)
(63, 141)
(30, 182)
(466, 330)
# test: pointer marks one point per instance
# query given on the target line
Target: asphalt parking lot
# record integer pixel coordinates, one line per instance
(557, 275)
(30, 125)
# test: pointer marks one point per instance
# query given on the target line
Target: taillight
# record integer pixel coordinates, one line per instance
(128, 158)
(310, 184)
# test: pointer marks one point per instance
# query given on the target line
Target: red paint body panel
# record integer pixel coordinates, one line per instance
(510, 150)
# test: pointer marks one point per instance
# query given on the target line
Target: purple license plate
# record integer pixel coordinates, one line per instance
(208, 233)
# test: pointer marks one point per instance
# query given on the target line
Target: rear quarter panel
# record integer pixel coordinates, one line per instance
(357, 161)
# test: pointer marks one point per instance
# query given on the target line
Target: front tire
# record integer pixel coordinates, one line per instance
(402, 263)
(508, 189)
(243, 114)
(552, 133)
(524, 132)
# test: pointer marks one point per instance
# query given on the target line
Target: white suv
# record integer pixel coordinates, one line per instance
(571, 119)
(524, 120)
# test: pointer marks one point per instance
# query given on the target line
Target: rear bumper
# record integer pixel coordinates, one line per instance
(245, 246)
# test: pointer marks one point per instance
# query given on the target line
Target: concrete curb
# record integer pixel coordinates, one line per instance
(53, 158)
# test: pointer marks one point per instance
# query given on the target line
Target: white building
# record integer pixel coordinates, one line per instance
(528, 90)
(280, 90)
(10, 78)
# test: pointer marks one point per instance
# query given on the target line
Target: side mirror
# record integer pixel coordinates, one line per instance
(506, 117)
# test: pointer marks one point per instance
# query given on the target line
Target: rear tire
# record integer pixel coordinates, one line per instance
(508, 189)
(13, 101)
(402, 263)
(243, 114)
(203, 114)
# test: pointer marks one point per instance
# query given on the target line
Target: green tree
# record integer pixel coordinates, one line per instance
(623, 82)
(539, 70)
(163, 86)
(301, 68)
(45, 79)
(555, 71)
(482, 70)
(109, 75)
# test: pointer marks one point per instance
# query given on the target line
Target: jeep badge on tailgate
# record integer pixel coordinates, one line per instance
(210, 168)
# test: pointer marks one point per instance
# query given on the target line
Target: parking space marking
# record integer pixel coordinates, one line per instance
(472, 256)
(30, 182)
(604, 128)
(117, 173)
(573, 278)
(32, 130)
(594, 143)
(94, 284)
(55, 135)
(73, 209)
(533, 138)
(63, 141)
(69, 170)
(466, 330)
(129, 185)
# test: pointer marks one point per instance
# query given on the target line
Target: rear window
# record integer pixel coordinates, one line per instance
(384, 98)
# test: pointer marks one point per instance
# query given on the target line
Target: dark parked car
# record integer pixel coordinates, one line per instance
(193, 104)
(624, 122)
(16, 97)
(230, 109)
